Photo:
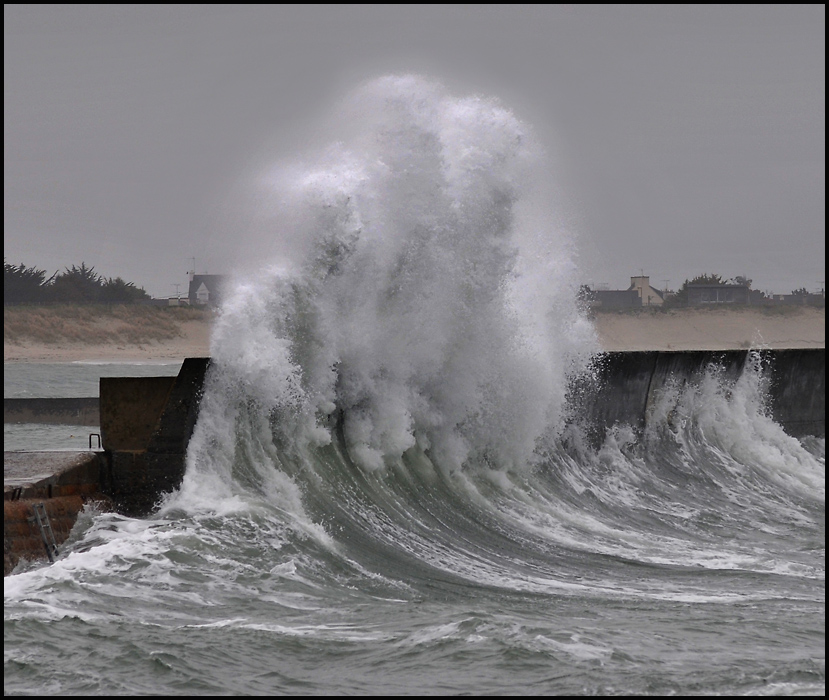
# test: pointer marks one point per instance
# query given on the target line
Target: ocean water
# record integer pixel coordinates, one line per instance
(67, 380)
(26, 380)
(388, 490)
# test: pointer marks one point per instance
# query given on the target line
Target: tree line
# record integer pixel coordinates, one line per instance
(76, 284)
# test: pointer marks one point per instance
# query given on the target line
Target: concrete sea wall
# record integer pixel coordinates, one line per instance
(146, 424)
(628, 383)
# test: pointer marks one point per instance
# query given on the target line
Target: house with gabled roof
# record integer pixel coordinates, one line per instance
(640, 293)
(206, 290)
(649, 296)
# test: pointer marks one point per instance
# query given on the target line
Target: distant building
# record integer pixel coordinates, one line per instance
(808, 299)
(648, 295)
(170, 301)
(640, 293)
(737, 291)
(613, 298)
(206, 290)
(704, 294)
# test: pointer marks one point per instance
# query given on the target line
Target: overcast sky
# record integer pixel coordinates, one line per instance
(687, 139)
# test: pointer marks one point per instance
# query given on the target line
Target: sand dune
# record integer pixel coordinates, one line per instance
(713, 329)
(193, 341)
(681, 329)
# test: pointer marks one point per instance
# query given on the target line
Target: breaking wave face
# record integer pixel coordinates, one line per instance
(424, 299)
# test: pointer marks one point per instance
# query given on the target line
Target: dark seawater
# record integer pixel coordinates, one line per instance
(26, 380)
(388, 490)
(671, 567)
(68, 380)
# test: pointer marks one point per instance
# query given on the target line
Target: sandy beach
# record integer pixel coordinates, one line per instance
(681, 329)
(713, 329)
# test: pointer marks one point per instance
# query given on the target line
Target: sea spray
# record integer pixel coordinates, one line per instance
(421, 299)
(730, 416)
(425, 295)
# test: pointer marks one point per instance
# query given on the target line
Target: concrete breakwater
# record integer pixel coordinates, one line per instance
(146, 424)
(627, 385)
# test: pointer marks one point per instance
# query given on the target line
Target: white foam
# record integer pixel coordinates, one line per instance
(420, 283)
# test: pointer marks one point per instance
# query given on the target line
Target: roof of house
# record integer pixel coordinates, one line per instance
(212, 283)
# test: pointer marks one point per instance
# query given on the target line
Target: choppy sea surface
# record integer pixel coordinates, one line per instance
(389, 489)
(677, 565)
(22, 380)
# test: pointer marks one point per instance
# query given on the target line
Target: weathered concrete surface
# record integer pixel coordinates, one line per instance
(44, 474)
(629, 382)
(62, 481)
(144, 466)
(130, 409)
(181, 410)
(798, 390)
(82, 411)
(22, 538)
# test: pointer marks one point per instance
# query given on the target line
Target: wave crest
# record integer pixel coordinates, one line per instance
(428, 298)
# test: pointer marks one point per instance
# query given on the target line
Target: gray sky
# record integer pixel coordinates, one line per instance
(687, 139)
